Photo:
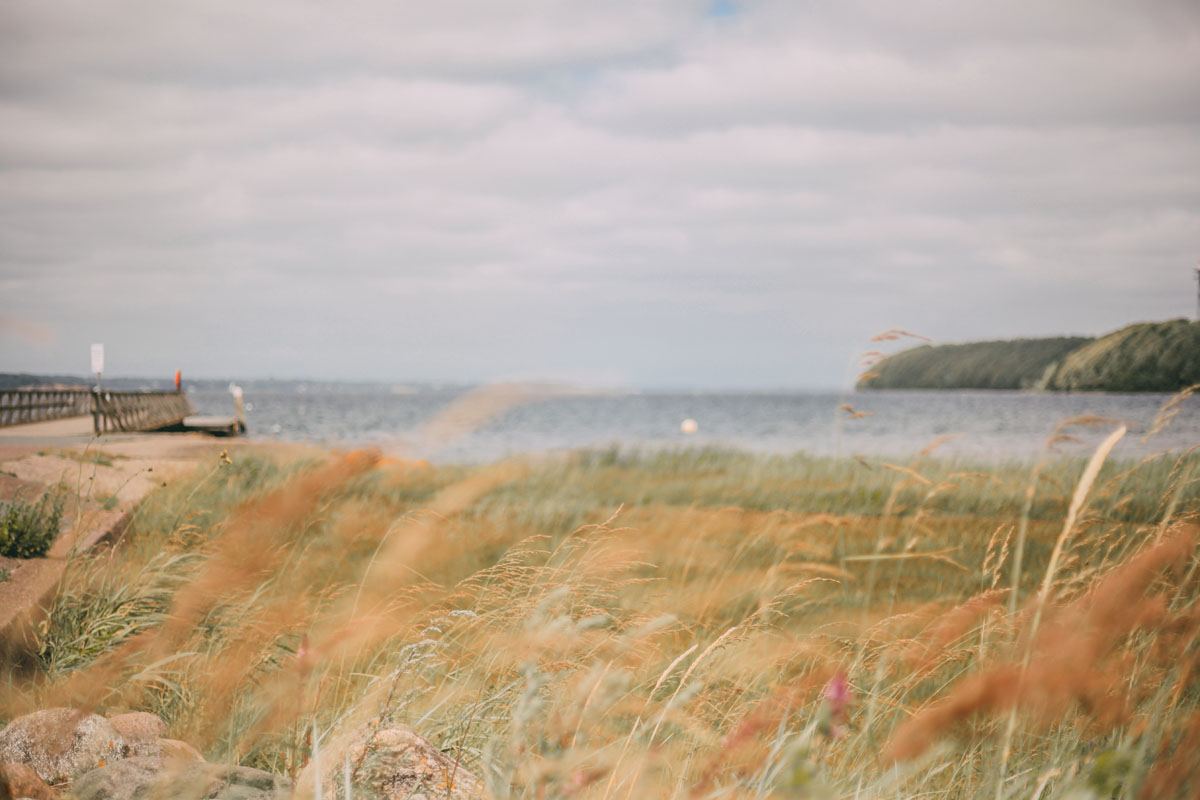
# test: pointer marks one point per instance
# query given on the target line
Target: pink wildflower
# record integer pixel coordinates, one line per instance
(834, 705)
(837, 692)
(304, 656)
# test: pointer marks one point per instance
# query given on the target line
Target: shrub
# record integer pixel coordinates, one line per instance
(27, 530)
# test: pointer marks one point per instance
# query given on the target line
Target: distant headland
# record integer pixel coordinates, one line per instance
(1145, 357)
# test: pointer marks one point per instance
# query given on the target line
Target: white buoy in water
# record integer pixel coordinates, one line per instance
(688, 426)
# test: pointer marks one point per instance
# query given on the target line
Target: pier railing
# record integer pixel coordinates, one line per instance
(22, 406)
(110, 411)
(139, 411)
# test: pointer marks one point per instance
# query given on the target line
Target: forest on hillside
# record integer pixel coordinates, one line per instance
(1017, 364)
(1144, 357)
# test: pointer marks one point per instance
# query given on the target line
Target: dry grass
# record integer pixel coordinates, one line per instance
(692, 624)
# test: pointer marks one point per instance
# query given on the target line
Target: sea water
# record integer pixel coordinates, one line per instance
(969, 424)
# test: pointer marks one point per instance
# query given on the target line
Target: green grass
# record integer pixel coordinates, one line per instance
(659, 624)
(98, 457)
(27, 530)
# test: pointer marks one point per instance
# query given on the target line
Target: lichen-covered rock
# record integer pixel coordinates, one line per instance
(152, 778)
(18, 780)
(61, 743)
(391, 763)
(141, 731)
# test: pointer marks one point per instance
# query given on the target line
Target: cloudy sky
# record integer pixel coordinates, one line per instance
(674, 193)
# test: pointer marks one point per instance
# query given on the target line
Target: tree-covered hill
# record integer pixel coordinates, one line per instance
(1145, 357)
(1017, 364)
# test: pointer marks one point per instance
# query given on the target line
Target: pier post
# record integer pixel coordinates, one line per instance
(239, 407)
(97, 416)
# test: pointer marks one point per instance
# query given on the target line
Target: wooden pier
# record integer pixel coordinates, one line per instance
(139, 411)
(112, 411)
(213, 426)
(23, 406)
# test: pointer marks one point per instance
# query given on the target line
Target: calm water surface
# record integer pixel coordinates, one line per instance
(994, 425)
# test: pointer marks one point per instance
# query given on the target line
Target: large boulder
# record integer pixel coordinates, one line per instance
(61, 743)
(144, 734)
(141, 731)
(390, 763)
(180, 751)
(18, 780)
(142, 778)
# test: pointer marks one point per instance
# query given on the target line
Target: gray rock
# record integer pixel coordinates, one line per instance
(61, 743)
(180, 751)
(162, 779)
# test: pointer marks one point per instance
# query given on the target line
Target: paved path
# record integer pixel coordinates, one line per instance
(52, 429)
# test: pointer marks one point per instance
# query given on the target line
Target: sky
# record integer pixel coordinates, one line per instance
(679, 193)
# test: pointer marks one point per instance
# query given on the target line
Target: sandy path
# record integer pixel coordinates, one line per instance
(105, 478)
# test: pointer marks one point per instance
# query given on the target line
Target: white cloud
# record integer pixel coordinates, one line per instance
(573, 188)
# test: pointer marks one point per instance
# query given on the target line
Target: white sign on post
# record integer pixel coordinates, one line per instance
(97, 358)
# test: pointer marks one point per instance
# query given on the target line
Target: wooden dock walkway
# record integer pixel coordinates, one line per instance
(111, 411)
(214, 426)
